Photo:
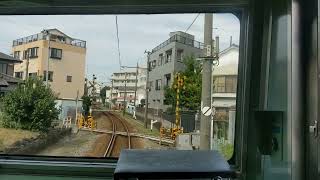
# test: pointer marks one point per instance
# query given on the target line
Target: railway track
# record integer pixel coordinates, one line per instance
(112, 141)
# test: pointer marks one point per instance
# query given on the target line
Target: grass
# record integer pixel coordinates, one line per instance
(10, 136)
(140, 126)
(226, 150)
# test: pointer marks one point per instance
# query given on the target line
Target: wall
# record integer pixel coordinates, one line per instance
(72, 64)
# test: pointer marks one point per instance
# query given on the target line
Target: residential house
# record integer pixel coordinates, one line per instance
(7, 81)
(66, 57)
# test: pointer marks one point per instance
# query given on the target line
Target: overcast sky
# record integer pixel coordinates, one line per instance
(137, 33)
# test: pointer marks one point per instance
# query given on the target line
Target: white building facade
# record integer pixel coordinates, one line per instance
(224, 93)
(124, 84)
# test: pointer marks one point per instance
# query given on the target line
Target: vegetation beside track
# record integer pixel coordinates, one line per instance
(138, 125)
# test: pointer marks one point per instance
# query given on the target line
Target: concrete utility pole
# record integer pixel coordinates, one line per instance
(147, 92)
(125, 94)
(111, 93)
(136, 86)
(27, 63)
(206, 83)
(47, 72)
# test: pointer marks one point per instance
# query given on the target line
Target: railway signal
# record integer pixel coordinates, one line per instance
(179, 85)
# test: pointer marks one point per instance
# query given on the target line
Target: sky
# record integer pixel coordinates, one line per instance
(137, 33)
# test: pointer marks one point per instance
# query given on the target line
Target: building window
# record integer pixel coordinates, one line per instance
(32, 75)
(150, 85)
(19, 74)
(50, 77)
(167, 79)
(225, 84)
(158, 84)
(219, 84)
(154, 63)
(33, 52)
(56, 53)
(3, 68)
(16, 54)
(179, 54)
(25, 54)
(231, 84)
(30, 53)
(168, 56)
(160, 60)
(69, 78)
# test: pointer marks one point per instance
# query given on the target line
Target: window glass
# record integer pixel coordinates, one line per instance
(16, 55)
(3, 68)
(50, 76)
(55, 53)
(19, 74)
(102, 74)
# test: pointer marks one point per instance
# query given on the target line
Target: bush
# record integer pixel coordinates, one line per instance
(31, 106)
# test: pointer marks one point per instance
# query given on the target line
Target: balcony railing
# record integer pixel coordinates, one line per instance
(180, 39)
(40, 36)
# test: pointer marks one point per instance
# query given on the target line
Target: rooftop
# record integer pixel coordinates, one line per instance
(180, 39)
(5, 57)
(55, 35)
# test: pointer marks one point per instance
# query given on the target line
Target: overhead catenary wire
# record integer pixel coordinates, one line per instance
(118, 41)
(194, 20)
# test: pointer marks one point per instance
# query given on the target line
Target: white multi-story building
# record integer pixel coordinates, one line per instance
(125, 82)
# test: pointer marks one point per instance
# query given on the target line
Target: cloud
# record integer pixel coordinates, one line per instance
(137, 33)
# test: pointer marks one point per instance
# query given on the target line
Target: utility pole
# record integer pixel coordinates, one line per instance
(125, 94)
(27, 63)
(111, 93)
(136, 86)
(47, 34)
(206, 83)
(147, 92)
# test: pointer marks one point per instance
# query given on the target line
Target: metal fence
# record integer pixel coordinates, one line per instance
(180, 39)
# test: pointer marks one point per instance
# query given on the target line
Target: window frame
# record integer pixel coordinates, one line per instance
(4, 66)
(50, 74)
(19, 72)
(158, 86)
(52, 55)
(239, 8)
(69, 77)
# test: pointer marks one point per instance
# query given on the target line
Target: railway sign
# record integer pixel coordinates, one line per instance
(207, 111)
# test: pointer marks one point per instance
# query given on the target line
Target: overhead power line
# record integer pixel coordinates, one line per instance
(119, 54)
(192, 22)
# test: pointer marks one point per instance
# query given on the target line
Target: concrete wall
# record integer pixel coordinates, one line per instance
(68, 108)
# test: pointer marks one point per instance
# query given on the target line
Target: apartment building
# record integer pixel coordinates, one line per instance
(125, 82)
(66, 57)
(7, 81)
(165, 60)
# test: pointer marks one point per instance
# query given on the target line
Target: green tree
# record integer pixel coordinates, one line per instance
(190, 98)
(86, 103)
(103, 94)
(31, 106)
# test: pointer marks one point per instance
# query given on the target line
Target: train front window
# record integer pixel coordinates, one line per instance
(92, 85)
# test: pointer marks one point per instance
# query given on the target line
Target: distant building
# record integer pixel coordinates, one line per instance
(7, 81)
(125, 81)
(225, 92)
(165, 60)
(66, 64)
(225, 78)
